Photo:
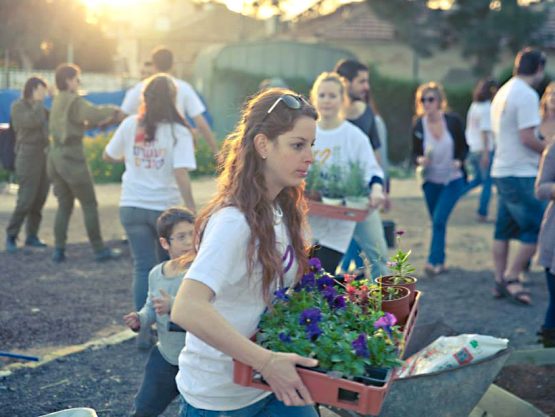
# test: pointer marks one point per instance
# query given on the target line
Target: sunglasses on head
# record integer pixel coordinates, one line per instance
(291, 101)
(429, 99)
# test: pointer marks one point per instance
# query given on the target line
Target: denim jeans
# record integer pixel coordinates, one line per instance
(550, 313)
(140, 227)
(269, 406)
(481, 177)
(158, 388)
(370, 238)
(440, 200)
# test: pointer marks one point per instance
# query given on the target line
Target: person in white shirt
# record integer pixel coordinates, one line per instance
(480, 143)
(340, 143)
(249, 242)
(157, 148)
(187, 102)
(514, 120)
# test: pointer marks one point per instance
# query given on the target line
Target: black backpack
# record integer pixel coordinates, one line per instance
(7, 148)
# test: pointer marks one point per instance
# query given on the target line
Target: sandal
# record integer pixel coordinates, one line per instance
(518, 297)
(497, 291)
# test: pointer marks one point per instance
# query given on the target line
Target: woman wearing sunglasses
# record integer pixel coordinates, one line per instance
(439, 147)
(340, 143)
(249, 242)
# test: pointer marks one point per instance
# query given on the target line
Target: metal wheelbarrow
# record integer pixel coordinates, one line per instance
(448, 393)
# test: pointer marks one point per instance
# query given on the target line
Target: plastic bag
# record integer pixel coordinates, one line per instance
(451, 352)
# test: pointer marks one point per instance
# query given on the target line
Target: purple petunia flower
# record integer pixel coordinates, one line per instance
(324, 283)
(400, 232)
(360, 345)
(391, 264)
(338, 302)
(387, 320)
(310, 315)
(313, 331)
(281, 294)
(284, 337)
(315, 263)
(329, 294)
(307, 282)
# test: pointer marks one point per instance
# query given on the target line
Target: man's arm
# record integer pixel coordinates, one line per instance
(529, 139)
(206, 133)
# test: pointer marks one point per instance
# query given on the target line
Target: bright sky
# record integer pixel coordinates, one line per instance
(291, 7)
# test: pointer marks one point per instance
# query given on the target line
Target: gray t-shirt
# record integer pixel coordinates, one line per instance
(169, 343)
(440, 153)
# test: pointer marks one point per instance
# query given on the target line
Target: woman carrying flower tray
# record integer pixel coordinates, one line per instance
(339, 145)
(249, 243)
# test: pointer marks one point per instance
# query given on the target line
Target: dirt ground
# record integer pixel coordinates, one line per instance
(44, 307)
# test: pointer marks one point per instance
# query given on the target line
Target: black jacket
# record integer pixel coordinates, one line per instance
(456, 128)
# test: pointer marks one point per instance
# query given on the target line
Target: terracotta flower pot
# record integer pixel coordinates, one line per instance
(332, 201)
(400, 306)
(313, 195)
(410, 283)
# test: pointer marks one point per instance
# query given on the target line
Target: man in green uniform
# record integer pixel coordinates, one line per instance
(67, 167)
(29, 120)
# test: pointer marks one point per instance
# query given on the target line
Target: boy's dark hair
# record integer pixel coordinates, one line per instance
(528, 61)
(349, 68)
(65, 72)
(170, 217)
(30, 86)
(162, 58)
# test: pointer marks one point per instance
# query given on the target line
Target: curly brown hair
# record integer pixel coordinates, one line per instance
(241, 183)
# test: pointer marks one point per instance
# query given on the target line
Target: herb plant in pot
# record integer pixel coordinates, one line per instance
(334, 190)
(356, 189)
(401, 270)
(392, 299)
(314, 182)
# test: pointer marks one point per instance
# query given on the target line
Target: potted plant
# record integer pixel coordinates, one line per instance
(319, 318)
(401, 270)
(334, 190)
(394, 300)
(356, 189)
(314, 182)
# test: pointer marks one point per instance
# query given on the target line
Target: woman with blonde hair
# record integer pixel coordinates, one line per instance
(249, 242)
(439, 148)
(341, 144)
(547, 113)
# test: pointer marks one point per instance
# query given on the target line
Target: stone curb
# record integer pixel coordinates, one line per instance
(69, 350)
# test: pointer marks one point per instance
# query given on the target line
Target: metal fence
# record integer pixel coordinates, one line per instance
(98, 82)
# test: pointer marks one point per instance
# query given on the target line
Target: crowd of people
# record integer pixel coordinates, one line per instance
(213, 272)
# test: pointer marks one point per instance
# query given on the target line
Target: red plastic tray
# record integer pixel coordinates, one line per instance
(336, 392)
(336, 212)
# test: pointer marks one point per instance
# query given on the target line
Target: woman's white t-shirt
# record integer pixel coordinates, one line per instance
(148, 181)
(342, 145)
(478, 120)
(205, 375)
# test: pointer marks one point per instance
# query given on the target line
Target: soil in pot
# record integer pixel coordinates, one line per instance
(400, 306)
(407, 282)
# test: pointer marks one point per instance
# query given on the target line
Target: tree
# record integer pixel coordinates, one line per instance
(482, 28)
(38, 33)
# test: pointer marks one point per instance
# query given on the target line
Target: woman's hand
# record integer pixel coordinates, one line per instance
(280, 372)
(484, 162)
(423, 161)
(457, 164)
(377, 196)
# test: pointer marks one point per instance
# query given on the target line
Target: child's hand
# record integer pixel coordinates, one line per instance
(132, 321)
(162, 304)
